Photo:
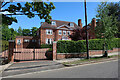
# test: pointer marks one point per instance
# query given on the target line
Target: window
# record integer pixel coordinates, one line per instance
(39, 41)
(18, 42)
(60, 32)
(33, 40)
(71, 25)
(68, 32)
(48, 41)
(26, 40)
(64, 32)
(53, 22)
(48, 31)
(37, 33)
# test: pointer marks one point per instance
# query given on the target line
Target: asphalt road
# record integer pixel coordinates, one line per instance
(100, 70)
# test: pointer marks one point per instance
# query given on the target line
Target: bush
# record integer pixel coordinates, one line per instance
(4, 45)
(46, 46)
(80, 46)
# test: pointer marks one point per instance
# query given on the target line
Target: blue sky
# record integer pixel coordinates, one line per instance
(65, 11)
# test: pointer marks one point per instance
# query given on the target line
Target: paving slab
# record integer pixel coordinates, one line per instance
(28, 67)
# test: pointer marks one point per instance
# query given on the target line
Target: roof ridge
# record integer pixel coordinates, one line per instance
(62, 21)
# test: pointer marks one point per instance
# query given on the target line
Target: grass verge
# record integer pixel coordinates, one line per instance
(93, 59)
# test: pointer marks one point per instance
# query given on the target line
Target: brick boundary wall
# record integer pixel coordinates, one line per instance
(83, 54)
(5, 53)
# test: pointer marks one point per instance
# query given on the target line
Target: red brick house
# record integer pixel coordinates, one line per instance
(57, 30)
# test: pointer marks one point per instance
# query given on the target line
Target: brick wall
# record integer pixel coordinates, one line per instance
(77, 55)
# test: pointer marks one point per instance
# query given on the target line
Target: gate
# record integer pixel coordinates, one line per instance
(30, 54)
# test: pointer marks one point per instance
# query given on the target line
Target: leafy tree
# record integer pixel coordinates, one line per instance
(13, 34)
(107, 24)
(20, 31)
(30, 9)
(6, 33)
(33, 31)
(26, 32)
(114, 10)
(76, 35)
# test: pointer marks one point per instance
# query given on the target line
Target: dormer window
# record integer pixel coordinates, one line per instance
(71, 25)
(53, 22)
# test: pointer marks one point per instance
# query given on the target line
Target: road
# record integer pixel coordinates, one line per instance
(99, 70)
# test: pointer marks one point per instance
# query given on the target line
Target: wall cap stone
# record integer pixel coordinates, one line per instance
(54, 41)
(11, 40)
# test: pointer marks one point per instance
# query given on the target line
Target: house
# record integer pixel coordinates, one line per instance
(57, 30)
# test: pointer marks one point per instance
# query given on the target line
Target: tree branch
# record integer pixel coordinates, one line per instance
(5, 4)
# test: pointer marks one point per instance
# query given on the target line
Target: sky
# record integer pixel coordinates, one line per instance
(65, 11)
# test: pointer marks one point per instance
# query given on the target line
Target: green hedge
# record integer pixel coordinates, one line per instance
(46, 46)
(3, 45)
(80, 46)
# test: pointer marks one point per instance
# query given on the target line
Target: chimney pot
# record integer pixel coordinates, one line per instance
(80, 23)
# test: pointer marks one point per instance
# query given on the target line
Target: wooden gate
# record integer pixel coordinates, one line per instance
(30, 54)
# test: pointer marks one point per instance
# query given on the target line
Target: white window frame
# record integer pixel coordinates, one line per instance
(60, 31)
(64, 32)
(18, 42)
(71, 25)
(47, 31)
(26, 40)
(37, 33)
(68, 32)
(47, 41)
(53, 22)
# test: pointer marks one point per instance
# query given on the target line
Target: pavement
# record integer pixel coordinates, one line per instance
(28, 67)
(107, 69)
(75, 59)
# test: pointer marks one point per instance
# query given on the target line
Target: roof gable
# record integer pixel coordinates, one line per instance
(64, 27)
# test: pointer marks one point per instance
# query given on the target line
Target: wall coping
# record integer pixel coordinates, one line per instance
(72, 53)
(11, 40)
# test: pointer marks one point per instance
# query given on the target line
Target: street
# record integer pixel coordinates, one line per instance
(97, 70)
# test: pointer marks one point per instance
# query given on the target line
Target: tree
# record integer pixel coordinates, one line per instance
(20, 31)
(33, 31)
(76, 35)
(30, 9)
(6, 33)
(114, 10)
(13, 34)
(26, 32)
(107, 24)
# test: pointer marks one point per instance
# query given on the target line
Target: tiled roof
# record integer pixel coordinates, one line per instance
(58, 23)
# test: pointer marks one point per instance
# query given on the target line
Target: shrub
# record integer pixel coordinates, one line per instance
(4, 45)
(80, 46)
(46, 46)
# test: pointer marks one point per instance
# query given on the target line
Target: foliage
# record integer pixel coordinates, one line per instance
(80, 46)
(3, 45)
(76, 35)
(107, 24)
(33, 31)
(26, 32)
(30, 9)
(20, 31)
(6, 32)
(46, 45)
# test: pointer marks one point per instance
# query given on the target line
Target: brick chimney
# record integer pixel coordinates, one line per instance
(93, 23)
(80, 23)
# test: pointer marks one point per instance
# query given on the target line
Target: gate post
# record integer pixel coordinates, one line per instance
(54, 50)
(11, 50)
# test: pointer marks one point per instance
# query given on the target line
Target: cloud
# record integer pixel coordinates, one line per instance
(6, 12)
